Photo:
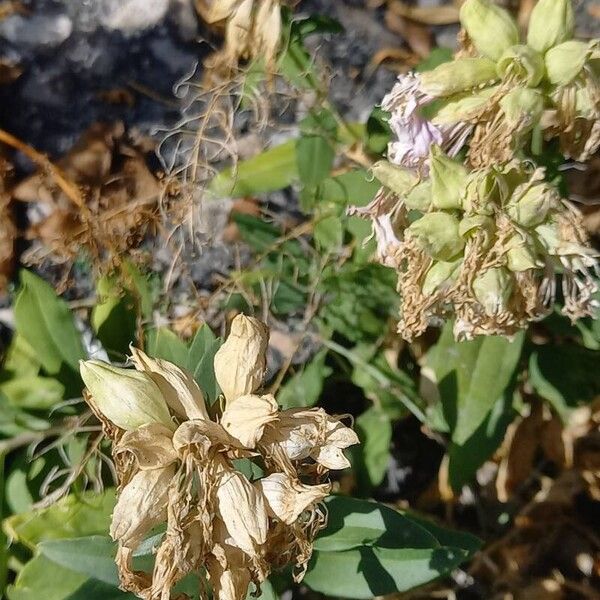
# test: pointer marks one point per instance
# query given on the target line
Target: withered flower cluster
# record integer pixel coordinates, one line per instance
(484, 241)
(252, 28)
(176, 464)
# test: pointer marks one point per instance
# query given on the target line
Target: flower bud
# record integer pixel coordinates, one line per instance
(493, 289)
(565, 61)
(522, 62)
(419, 198)
(437, 233)
(287, 498)
(521, 255)
(440, 272)
(521, 106)
(127, 398)
(491, 28)
(462, 106)
(397, 179)
(532, 208)
(551, 23)
(240, 362)
(471, 224)
(448, 179)
(457, 76)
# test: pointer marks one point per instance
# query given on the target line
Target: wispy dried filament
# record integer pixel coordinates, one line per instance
(176, 467)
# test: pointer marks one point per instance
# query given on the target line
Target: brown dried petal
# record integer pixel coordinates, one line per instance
(288, 498)
(151, 445)
(178, 387)
(241, 361)
(141, 505)
(204, 435)
(245, 419)
(242, 508)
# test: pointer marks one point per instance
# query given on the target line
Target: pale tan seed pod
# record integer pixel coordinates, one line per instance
(267, 31)
(239, 31)
(151, 445)
(287, 498)
(127, 398)
(213, 11)
(242, 508)
(246, 418)
(141, 506)
(240, 363)
(180, 391)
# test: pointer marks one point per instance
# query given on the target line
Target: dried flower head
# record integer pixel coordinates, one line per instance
(484, 246)
(178, 467)
(252, 28)
(500, 89)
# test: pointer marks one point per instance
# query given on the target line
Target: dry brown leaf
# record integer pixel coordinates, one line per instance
(428, 15)
(8, 230)
(594, 10)
(416, 35)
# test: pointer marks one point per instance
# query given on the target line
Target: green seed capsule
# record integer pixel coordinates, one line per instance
(551, 23)
(522, 62)
(448, 179)
(458, 76)
(532, 207)
(565, 61)
(397, 179)
(419, 198)
(491, 28)
(470, 225)
(521, 105)
(493, 290)
(521, 255)
(461, 107)
(437, 233)
(439, 273)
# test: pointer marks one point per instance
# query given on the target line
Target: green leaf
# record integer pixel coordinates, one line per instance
(33, 392)
(304, 387)
(200, 361)
(436, 57)
(378, 131)
(256, 232)
(93, 556)
(566, 375)
(374, 550)
(165, 344)
(42, 578)
(73, 516)
(271, 170)
(114, 317)
(47, 325)
(353, 523)
(314, 155)
(267, 592)
(374, 430)
(471, 377)
(466, 458)
(329, 233)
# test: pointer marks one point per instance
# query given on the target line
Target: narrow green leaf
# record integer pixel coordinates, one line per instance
(273, 169)
(374, 430)
(315, 159)
(46, 323)
(114, 317)
(72, 516)
(304, 387)
(164, 343)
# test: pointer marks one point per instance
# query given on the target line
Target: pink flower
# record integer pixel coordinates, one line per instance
(414, 133)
